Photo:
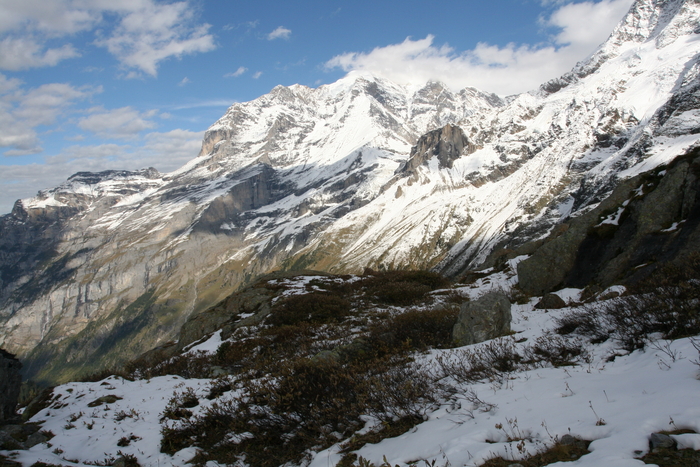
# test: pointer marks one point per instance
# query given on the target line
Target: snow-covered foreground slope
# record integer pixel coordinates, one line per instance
(339, 178)
(615, 403)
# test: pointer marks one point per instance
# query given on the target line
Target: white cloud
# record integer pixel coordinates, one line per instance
(237, 73)
(257, 74)
(154, 32)
(503, 70)
(22, 111)
(586, 25)
(139, 33)
(165, 151)
(122, 123)
(54, 18)
(170, 150)
(211, 103)
(43, 105)
(184, 81)
(25, 53)
(280, 33)
(94, 153)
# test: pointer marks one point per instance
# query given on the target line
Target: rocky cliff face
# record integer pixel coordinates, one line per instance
(359, 173)
(10, 382)
(648, 221)
(447, 144)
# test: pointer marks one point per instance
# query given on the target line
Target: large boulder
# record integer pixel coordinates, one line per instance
(10, 382)
(482, 319)
(551, 301)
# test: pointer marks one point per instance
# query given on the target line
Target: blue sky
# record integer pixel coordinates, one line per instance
(126, 84)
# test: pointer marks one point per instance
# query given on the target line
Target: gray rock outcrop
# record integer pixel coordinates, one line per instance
(661, 441)
(447, 144)
(647, 221)
(551, 301)
(10, 382)
(483, 319)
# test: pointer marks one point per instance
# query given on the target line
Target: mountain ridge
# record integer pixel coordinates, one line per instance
(327, 179)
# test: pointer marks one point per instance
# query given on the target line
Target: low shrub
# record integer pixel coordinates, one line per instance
(417, 329)
(190, 365)
(310, 404)
(306, 376)
(401, 288)
(667, 304)
(555, 351)
(314, 308)
(219, 387)
(498, 358)
(558, 452)
(632, 320)
(491, 361)
(585, 321)
(388, 429)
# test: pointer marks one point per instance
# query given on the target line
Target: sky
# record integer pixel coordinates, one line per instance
(92, 85)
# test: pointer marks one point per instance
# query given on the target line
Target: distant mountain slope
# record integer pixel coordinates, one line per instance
(359, 173)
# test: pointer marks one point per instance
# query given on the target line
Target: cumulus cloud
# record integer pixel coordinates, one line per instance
(166, 151)
(54, 18)
(22, 111)
(122, 123)
(25, 53)
(585, 25)
(504, 70)
(280, 33)
(257, 74)
(154, 32)
(139, 33)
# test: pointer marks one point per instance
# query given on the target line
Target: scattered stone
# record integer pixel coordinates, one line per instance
(126, 461)
(568, 440)
(482, 319)
(330, 356)
(8, 443)
(108, 399)
(658, 440)
(34, 439)
(10, 382)
(551, 301)
(607, 295)
(20, 436)
(218, 371)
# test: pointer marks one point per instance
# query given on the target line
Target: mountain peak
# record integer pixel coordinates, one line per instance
(654, 22)
(662, 20)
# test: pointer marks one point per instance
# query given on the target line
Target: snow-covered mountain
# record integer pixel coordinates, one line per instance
(359, 173)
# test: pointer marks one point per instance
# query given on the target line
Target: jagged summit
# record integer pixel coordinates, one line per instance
(656, 22)
(312, 178)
